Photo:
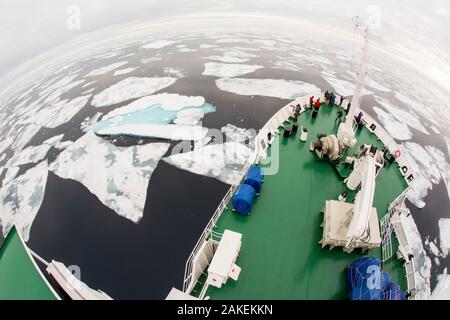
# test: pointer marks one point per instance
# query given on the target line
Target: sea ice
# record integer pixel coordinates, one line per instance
(426, 112)
(167, 101)
(21, 199)
(10, 174)
(276, 88)
(118, 176)
(131, 88)
(55, 140)
(29, 155)
(161, 109)
(223, 70)
(442, 289)
(158, 44)
(164, 131)
(58, 113)
(221, 161)
(241, 135)
(23, 135)
(408, 118)
(342, 87)
(398, 130)
(124, 71)
(173, 72)
(207, 46)
(286, 65)
(106, 69)
(444, 236)
(228, 59)
(430, 167)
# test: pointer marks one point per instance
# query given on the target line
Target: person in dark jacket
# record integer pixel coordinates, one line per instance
(332, 99)
(341, 100)
(311, 101)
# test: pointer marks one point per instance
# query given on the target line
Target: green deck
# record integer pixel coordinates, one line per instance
(280, 255)
(19, 279)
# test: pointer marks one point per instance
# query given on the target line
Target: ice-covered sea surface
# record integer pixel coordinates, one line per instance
(90, 175)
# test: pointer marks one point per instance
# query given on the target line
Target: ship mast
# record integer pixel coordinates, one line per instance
(346, 132)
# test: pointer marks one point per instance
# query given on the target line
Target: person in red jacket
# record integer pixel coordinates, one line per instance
(311, 101)
(316, 108)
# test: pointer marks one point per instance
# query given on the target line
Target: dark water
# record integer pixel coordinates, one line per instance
(144, 260)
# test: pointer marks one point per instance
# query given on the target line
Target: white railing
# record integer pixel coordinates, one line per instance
(271, 126)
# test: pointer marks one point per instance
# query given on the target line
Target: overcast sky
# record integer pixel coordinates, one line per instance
(419, 28)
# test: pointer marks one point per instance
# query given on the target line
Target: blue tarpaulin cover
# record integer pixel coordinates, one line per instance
(366, 281)
(254, 177)
(243, 199)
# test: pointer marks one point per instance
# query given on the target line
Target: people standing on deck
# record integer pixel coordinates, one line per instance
(332, 99)
(311, 101)
(316, 108)
(327, 96)
(339, 117)
(341, 99)
(348, 108)
(358, 118)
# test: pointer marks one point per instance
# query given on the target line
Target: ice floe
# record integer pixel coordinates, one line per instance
(444, 236)
(167, 101)
(223, 70)
(29, 155)
(10, 174)
(425, 111)
(286, 65)
(64, 145)
(5, 143)
(106, 69)
(401, 115)
(151, 59)
(377, 86)
(131, 88)
(221, 161)
(237, 134)
(430, 167)
(341, 86)
(442, 289)
(187, 50)
(158, 44)
(59, 113)
(276, 88)
(397, 129)
(23, 135)
(207, 46)
(165, 131)
(151, 113)
(118, 176)
(433, 250)
(173, 72)
(121, 72)
(55, 140)
(422, 262)
(21, 199)
(190, 116)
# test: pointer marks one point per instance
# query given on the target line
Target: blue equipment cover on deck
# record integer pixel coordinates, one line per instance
(243, 199)
(366, 281)
(254, 177)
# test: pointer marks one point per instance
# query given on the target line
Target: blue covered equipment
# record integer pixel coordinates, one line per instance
(254, 177)
(366, 281)
(243, 199)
